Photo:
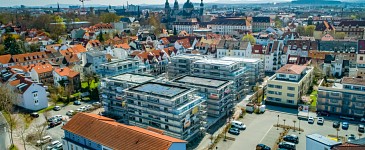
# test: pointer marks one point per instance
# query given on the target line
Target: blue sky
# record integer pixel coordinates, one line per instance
(7, 3)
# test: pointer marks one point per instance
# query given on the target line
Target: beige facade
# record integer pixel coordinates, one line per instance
(289, 92)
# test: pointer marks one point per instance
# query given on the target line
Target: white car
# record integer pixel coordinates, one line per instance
(320, 120)
(53, 144)
(79, 110)
(70, 113)
(44, 140)
(83, 108)
(88, 107)
(311, 120)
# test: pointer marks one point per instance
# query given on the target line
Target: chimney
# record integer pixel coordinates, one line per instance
(61, 69)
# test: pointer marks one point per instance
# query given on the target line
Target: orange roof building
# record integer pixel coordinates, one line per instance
(106, 132)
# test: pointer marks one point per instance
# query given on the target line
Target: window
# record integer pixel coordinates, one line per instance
(271, 85)
(290, 95)
(282, 75)
(361, 58)
(291, 88)
(290, 101)
(278, 86)
(270, 92)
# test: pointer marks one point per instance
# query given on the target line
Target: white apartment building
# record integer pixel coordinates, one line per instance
(226, 26)
(189, 27)
(234, 48)
(275, 56)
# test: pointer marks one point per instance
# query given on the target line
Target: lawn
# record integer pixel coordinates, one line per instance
(93, 85)
(46, 109)
(313, 97)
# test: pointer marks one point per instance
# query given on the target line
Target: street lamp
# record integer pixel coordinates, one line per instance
(299, 125)
(294, 121)
(284, 123)
(337, 129)
(277, 124)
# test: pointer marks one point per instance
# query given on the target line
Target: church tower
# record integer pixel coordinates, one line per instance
(201, 8)
(167, 7)
(176, 5)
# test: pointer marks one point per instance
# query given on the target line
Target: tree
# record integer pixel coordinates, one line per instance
(58, 28)
(54, 98)
(41, 128)
(300, 30)
(340, 35)
(7, 97)
(10, 45)
(250, 38)
(101, 38)
(2, 49)
(154, 21)
(278, 22)
(175, 31)
(109, 17)
(77, 20)
(309, 30)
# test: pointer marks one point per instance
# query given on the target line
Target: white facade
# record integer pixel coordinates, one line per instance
(236, 53)
(57, 78)
(316, 141)
(189, 28)
(227, 28)
(34, 75)
(34, 98)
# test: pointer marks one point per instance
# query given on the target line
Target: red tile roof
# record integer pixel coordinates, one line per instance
(124, 46)
(184, 42)
(77, 49)
(291, 69)
(66, 71)
(29, 57)
(43, 67)
(5, 59)
(117, 136)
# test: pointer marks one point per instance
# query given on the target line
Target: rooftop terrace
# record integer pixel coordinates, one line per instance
(201, 81)
(135, 78)
(216, 62)
(160, 89)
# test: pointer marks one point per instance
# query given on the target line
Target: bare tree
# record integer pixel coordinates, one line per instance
(41, 128)
(7, 97)
(23, 127)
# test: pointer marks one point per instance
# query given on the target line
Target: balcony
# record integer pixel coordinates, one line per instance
(214, 96)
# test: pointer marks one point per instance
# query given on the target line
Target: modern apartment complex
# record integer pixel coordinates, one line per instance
(113, 97)
(93, 132)
(289, 84)
(255, 68)
(174, 109)
(343, 98)
(122, 66)
(224, 69)
(219, 100)
(181, 65)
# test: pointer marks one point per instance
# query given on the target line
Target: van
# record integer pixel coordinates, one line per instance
(238, 125)
(287, 145)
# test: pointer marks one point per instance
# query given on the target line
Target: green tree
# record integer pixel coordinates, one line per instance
(300, 30)
(2, 49)
(175, 31)
(11, 45)
(57, 29)
(34, 47)
(101, 37)
(249, 37)
(76, 19)
(278, 22)
(340, 35)
(109, 17)
(309, 30)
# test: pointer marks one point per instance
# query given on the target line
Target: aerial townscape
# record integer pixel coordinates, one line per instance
(182, 75)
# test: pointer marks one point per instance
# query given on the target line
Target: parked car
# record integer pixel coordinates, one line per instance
(262, 147)
(53, 144)
(291, 138)
(96, 104)
(238, 125)
(311, 120)
(77, 103)
(78, 110)
(54, 123)
(336, 124)
(234, 131)
(352, 137)
(323, 113)
(88, 107)
(320, 120)
(347, 118)
(83, 108)
(57, 147)
(70, 113)
(34, 115)
(44, 140)
(56, 108)
(361, 128)
(362, 119)
(287, 145)
(345, 125)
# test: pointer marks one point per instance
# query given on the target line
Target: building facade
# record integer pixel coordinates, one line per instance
(234, 48)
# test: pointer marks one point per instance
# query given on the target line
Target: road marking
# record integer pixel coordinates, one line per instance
(266, 134)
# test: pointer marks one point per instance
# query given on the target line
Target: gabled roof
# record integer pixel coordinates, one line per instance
(66, 71)
(291, 69)
(184, 42)
(29, 57)
(352, 23)
(124, 46)
(43, 67)
(114, 135)
(5, 59)
(77, 49)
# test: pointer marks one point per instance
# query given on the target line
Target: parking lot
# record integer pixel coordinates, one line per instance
(56, 132)
(260, 129)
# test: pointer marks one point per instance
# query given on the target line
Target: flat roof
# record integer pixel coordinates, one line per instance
(202, 81)
(322, 139)
(119, 62)
(216, 61)
(249, 60)
(160, 89)
(135, 78)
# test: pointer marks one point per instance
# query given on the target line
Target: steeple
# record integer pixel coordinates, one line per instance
(176, 5)
(201, 8)
(58, 7)
(167, 4)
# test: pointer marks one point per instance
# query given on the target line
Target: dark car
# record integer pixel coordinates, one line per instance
(34, 115)
(262, 147)
(323, 113)
(291, 138)
(56, 108)
(345, 125)
(54, 123)
(77, 103)
(287, 145)
(352, 137)
(336, 124)
(361, 128)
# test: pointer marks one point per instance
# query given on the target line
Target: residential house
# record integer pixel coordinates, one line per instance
(207, 46)
(77, 33)
(344, 98)
(275, 55)
(353, 29)
(29, 58)
(95, 58)
(234, 48)
(289, 84)
(42, 73)
(184, 44)
(113, 135)
(188, 26)
(322, 29)
(93, 45)
(261, 23)
(5, 61)
(67, 77)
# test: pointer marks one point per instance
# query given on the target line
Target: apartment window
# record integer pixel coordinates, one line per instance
(290, 95)
(166, 120)
(282, 75)
(270, 92)
(278, 86)
(290, 101)
(35, 94)
(271, 85)
(291, 88)
(361, 58)
(277, 99)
